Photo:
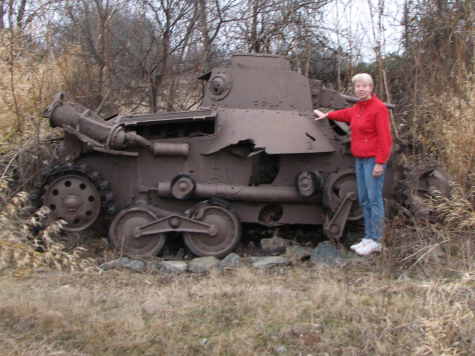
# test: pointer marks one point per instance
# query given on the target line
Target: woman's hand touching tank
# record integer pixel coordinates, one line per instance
(319, 115)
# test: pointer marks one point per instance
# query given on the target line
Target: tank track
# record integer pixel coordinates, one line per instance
(108, 208)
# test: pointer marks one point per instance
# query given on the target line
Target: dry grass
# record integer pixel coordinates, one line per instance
(308, 310)
(28, 82)
(26, 245)
(446, 126)
(440, 247)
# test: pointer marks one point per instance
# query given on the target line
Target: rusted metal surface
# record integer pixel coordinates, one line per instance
(252, 153)
(123, 232)
(75, 199)
(76, 194)
(224, 237)
(261, 193)
(335, 225)
(276, 132)
(258, 82)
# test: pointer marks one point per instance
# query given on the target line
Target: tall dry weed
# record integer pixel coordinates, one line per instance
(447, 128)
(443, 245)
(30, 78)
(444, 125)
(26, 244)
(456, 212)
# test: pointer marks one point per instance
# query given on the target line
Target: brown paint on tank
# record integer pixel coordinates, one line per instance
(243, 151)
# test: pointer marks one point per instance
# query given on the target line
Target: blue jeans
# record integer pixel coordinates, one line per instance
(370, 197)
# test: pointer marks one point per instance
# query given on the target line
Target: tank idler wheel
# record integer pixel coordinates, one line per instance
(122, 232)
(74, 198)
(227, 228)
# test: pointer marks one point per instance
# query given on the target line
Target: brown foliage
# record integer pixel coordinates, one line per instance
(26, 244)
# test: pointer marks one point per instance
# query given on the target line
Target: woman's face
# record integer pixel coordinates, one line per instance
(363, 89)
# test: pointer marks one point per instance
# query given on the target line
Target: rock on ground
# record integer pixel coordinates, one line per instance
(298, 253)
(112, 264)
(327, 253)
(232, 260)
(176, 267)
(203, 264)
(274, 245)
(269, 261)
(124, 262)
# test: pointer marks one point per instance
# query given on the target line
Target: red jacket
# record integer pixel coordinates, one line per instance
(370, 129)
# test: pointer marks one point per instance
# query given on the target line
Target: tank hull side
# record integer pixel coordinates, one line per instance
(139, 178)
(120, 172)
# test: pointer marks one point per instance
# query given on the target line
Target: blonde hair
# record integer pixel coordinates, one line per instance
(362, 77)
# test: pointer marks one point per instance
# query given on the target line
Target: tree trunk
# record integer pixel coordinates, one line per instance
(253, 40)
(21, 14)
(2, 14)
(203, 21)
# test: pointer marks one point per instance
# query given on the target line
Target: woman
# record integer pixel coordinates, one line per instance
(371, 144)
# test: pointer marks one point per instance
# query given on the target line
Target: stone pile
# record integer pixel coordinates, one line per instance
(325, 253)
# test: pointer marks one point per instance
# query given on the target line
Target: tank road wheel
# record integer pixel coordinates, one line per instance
(122, 232)
(228, 232)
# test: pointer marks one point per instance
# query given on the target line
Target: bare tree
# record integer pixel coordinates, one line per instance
(19, 14)
(16, 18)
(172, 32)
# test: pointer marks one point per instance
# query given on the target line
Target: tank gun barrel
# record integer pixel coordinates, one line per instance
(90, 128)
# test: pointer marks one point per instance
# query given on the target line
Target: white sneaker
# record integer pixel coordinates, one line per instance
(362, 243)
(368, 248)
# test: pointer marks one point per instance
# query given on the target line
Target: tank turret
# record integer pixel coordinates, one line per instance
(257, 82)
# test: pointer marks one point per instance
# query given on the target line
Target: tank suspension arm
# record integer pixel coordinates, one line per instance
(335, 226)
(175, 222)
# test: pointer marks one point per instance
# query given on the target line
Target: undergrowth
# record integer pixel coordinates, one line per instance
(445, 127)
(27, 243)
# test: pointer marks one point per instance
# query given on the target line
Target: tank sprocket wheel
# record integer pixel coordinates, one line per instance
(76, 195)
(123, 228)
(228, 232)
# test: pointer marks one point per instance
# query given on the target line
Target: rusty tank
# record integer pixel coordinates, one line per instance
(251, 153)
